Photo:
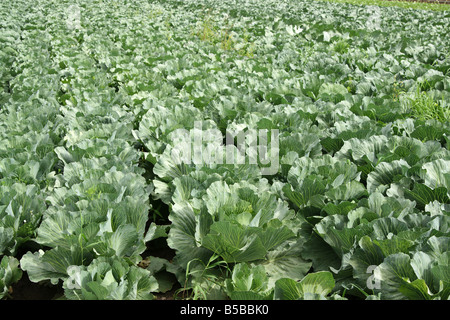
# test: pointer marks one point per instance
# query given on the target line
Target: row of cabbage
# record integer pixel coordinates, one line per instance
(96, 91)
(70, 180)
(360, 203)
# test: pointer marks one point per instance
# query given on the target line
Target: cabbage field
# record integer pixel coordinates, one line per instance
(224, 149)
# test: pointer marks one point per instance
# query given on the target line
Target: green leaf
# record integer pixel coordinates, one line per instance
(423, 195)
(422, 263)
(234, 243)
(426, 132)
(360, 149)
(332, 92)
(110, 278)
(394, 245)
(384, 174)
(316, 285)
(287, 289)
(320, 283)
(415, 290)
(352, 190)
(10, 273)
(395, 272)
(182, 235)
(441, 273)
(272, 237)
(332, 145)
(437, 173)
(320, 253)
(246, 295)
(6, 236)
(123, 241)
(343, 208)
(156, 231)
(100, 292)
(51, 265)
(303, 193)
(341, 238)
(383, 228)
(54, 229)
(364, 258)
(248, 282)
(286, 261)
